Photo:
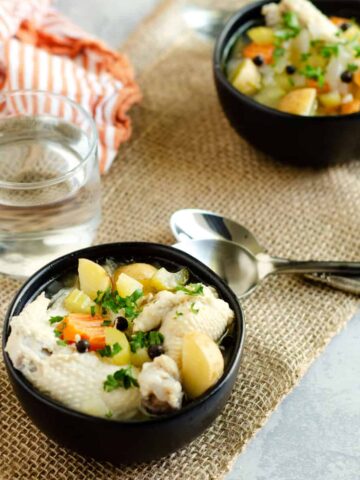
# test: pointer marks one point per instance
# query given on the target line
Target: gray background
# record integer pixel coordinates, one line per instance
(315, 433)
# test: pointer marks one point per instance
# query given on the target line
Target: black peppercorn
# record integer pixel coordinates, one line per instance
(258, 60)
(346, 76)
(155, 351)
(82, 346)
(345, 26)
(122, 324)
(290, 69)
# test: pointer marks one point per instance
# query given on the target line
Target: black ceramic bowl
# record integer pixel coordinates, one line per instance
(124, 441)
(302, 141)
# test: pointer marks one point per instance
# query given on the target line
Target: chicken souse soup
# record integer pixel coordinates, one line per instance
(298, 60)
(124, 341)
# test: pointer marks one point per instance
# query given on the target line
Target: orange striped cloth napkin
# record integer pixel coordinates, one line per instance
(42, 50)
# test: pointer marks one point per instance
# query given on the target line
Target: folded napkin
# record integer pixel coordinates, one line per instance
(42, 50)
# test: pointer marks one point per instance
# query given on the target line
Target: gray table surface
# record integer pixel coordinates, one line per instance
(314, 434)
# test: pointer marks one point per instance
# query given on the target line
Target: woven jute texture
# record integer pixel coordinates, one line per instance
(184, 154)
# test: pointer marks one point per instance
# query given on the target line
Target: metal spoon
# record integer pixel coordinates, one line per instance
(201, 224)
(243, 271)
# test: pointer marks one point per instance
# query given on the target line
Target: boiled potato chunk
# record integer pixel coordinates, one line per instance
(270, 96)
(247, 78)
(92, 278)
(165, 280)
(126, 285)
(78, 302)
(261, 35)
(139, 357)
(330, 100)
(202, 363)
(112, 336)
(299, 102)
(142, 272)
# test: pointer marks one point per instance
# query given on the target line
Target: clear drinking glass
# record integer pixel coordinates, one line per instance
(49, 180)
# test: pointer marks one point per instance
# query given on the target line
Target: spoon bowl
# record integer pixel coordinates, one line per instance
(243, 271)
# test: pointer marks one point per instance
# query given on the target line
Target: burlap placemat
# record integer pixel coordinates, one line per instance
(184, 154)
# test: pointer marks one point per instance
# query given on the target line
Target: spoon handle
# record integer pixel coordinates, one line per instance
(291, 266)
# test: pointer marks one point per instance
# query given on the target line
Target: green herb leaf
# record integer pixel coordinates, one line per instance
(56, 319)
(109, 414)
(112, 301)
(179, 314)
(305, 56)
(193, 309)
(328, 51)
(110, 350)
(352, 67)
(278, 53)
(62, 343)
(122, 378)
(92, 310)
(106, 323)
(191, 289)
(314, 73)
(357, 51)
(145, 339)
(291, 21)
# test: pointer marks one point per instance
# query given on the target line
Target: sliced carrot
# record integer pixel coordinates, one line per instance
(86, 326)
(253, 50)
(314, 84)
(339, 21)
(350, 107)
(356, 78)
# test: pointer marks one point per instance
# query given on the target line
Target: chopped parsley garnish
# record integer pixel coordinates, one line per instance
(110, 350)
(314, 73)
(122, 378)
(106, 323)
(92, 310)
(56, 319)
(357, 51)
(328, 51)
(191, 289)
(57, 333)
(145, 339)
(109, 414)
(278, 53)
(112, 301)
(291, 21)
(179, 314)
(193, 309)
(61, 343)
(305, 56)
(352, 67)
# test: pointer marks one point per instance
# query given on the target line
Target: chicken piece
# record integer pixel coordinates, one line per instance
(319, 25)
(160, 386)
(202, 313)
(272, 14)
(73, 379)
(154, 311)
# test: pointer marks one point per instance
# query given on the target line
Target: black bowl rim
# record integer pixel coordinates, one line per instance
(221, 44)
(26, 288)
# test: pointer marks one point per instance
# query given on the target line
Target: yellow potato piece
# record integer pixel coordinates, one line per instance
(78, 302)
(139, 357)
(126, 285)
(92, 278)
(247, 78)
(202, 363)
(165, 280)
(142, 272)
(330, 100)
(299, 102)
(261, 35)
(112, 336)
